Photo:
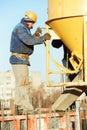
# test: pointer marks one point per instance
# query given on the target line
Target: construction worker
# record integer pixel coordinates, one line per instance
(21, 47)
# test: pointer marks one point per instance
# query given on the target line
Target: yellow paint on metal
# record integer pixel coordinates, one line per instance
(66, 8)
(67, 19)
(70, 30)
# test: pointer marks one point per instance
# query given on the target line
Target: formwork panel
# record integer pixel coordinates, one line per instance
(28, 122)
(23, 125)
(7, 125)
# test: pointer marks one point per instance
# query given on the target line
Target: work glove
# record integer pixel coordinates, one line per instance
(38, 31)
(46, 36)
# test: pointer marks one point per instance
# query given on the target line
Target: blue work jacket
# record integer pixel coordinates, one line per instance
(22, 41)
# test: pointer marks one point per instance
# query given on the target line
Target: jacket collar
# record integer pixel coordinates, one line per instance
(22, 21)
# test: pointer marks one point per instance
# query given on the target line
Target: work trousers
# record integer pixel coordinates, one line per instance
(22, 86)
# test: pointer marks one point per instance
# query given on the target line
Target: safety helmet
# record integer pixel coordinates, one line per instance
(30, 16)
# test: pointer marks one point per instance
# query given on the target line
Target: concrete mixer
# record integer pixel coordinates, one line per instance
(68, 19)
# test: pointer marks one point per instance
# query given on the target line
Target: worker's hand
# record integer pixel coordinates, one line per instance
(38, 31)
(46, 36)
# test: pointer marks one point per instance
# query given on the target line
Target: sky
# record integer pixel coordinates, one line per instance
(11, 12)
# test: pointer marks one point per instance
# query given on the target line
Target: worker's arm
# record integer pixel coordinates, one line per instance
(25, 36)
